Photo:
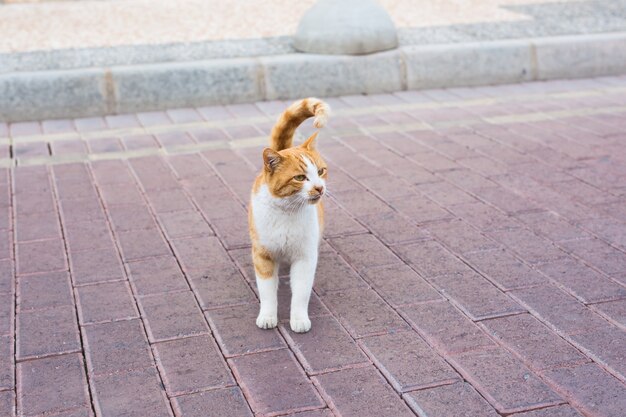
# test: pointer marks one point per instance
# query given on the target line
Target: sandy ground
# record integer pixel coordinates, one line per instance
(35, 25)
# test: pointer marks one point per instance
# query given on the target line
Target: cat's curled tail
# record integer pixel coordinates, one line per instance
(282, 133)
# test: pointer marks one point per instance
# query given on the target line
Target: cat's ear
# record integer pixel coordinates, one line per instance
(309, 144)
(271, 159)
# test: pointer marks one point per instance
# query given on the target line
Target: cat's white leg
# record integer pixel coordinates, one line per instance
(268, 295)
(302, 275)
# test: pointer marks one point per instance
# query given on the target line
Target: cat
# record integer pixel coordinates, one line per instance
(286, 214)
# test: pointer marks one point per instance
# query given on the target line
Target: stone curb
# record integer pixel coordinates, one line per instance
(123, 89)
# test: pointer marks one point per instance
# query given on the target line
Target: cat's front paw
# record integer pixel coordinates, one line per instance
(269, 321)
(301, 325)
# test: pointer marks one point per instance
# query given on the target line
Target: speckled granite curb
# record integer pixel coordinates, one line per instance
(130, 88)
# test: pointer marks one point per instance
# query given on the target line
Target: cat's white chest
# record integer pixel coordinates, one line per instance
(287, 235)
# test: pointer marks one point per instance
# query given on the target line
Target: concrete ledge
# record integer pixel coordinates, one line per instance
(189, 84)
(580, 56)
(468, 64)
(66, 59)
(52, 94)
(301, 75)
(120, 89)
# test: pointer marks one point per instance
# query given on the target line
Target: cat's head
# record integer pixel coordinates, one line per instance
(297, 173)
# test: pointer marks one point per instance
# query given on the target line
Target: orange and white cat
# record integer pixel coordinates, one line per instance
(286, 214)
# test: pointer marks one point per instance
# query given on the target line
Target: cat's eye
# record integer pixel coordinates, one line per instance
(300, 177)
(321, 171)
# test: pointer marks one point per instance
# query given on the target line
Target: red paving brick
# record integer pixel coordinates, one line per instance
(533, 342)
(222, 287)
(7, 283)
(7, 315)
(528, 246)
(7, 403)
(444, 194)
(407, 361)
(614, 311)
(186, 223)
(458, 399)
(598, 254)
(198, 256)
(133, 393)
(40, 256)
(364, 251)
(605, 345)
(583, 282)
(233, 230)
(333, 274)
(37, 226)
(484, 217)
(590, 389)
(363, 312)
(399, 285)
(34, 201)
(47, 332)
(236, 331)
(120, 193)
(116, 347)
(551, 226)
(476, 296)
(7, 378)
(460, 237)
(430, 259)
(125, 217)
(96, 266)
(561, 311)
(445, 327)
(44, 290)
(139, 244)
(274, 382)
(88, 235)
(105, 302)
(228, 402)
(504, 381)
(504, 270)
(325, 348)
(81, 210)
(165, 201)
(337, 222)
(111, 172)
(156, 275)
(51, 385)
(192, 364)
(420, 209)
(558, 411)
(172, 315)
(313, 413)
(361, 392)
(75, 188)
(393, 228)
(489, 253)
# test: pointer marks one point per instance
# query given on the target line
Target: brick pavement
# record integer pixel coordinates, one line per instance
(474, 261)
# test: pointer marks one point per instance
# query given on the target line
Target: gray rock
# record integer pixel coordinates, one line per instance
(581, 56)
(294, 76)
(52, 94)
(350, 27)
(468, 64)
(157, 87)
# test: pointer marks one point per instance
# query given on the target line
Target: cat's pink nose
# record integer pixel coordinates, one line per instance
(319, 189)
